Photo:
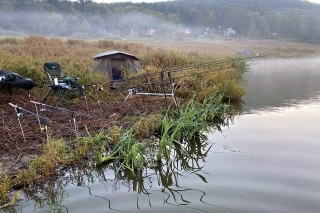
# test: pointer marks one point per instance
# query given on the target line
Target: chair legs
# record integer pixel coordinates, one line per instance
(48, 93)
(61, 93)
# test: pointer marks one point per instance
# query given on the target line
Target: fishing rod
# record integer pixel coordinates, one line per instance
(217, 63)
(190, 67)
(67, 110)
(140, 77)
(45, 119)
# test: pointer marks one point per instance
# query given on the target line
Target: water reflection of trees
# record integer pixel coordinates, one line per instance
(188, 157)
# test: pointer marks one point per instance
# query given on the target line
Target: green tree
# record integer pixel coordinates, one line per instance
(317, 32)
(300, 31)
(274, 22)
(85, 27)
(53, 24)
(209, 20)
(173, 18)
(252, 30)
(297, 25)
(311, 23)
(34, 22)
(189, 15)
(262, 26)
(31, 6)
(96, 9)
(8, 5)
(242, 19)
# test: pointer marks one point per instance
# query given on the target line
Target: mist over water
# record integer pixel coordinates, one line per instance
(272, 82)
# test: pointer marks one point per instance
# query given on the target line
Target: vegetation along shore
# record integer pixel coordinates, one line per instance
(111, 130)
(107, 128)
(193, 60)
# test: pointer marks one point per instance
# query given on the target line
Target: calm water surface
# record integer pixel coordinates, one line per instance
(267, 160)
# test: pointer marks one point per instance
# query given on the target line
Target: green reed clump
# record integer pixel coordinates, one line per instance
(5, 186)
(192, 118)
(96, 144)
(128, 151)
(241, 66)
(146, 126)
(59, 152)
(43, 166)
(56, 153)
(133, 151)
(114, 133)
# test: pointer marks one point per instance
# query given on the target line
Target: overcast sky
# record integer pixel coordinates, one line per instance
(135, 1)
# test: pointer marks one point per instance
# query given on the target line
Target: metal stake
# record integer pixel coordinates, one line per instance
(73, 115)
(20, 115)
(85, 98)
(96, 91)
(37, 115)
(45, 123)
(163, 88)
(172, 89)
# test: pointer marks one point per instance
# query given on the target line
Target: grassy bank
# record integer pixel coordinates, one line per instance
(201, 90)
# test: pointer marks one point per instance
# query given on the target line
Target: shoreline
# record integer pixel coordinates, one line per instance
(118, 114)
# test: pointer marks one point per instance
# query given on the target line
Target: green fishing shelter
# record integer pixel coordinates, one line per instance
(115, 63)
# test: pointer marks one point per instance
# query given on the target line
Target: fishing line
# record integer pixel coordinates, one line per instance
(185, 210)
(243, 193)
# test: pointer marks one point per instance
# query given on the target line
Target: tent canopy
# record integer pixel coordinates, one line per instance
(117, 64)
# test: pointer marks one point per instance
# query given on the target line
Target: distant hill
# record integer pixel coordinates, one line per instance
(162, 20)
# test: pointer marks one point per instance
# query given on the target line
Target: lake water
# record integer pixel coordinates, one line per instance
(266, 160)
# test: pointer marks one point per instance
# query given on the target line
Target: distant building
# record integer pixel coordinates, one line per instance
(148, 32)
(188, 31)
(229, 32)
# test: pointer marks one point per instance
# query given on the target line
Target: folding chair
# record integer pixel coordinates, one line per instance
(57, 83)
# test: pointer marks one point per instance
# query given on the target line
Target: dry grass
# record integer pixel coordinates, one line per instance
(229, 46)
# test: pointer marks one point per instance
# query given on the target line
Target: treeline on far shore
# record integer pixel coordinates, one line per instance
(161, 20)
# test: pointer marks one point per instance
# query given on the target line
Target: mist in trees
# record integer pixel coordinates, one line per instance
(85, 18)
